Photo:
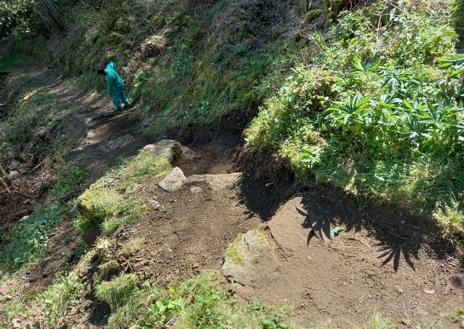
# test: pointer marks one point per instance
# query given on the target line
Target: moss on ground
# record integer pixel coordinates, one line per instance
(232, 251)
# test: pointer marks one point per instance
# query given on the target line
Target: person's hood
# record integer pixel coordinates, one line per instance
(111, 65)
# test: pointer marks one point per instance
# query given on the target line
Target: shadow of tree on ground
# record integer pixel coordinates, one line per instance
(401, 234)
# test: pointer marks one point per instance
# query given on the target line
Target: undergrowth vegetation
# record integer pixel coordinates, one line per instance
(379, 110)
(186, 66)
(31, 108)
(27, 241)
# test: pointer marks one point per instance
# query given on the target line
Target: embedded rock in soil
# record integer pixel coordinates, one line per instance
(168, 148)
(250, 259)
(120, 142)
(174, 181)
(216, 182)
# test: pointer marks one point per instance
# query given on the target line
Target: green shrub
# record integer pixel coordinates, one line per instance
(376, 112)
(313, 14)
(27, 241)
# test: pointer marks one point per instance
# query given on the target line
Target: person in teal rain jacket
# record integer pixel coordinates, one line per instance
(115, 86)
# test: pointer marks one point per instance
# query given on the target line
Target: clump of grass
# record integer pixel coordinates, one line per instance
(58, 297)
(313, 14)
(17, 308)
(131, 247)
(377, 322)
(108, 269)
(117, 292)
(146, 166)
(95, 205)
(110, 202)
(199, 302)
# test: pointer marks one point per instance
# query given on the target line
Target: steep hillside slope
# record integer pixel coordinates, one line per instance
(286, 164)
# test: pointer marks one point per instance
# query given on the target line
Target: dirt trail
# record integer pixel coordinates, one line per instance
(340, 280)
(401, 268)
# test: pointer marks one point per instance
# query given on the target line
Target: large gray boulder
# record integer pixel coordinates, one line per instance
(251, 260)
(174, 181)
(168, 148)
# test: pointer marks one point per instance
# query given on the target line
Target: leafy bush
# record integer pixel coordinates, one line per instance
(378, 110)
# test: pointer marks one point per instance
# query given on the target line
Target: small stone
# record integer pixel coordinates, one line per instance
(91, 134)
(89, 122)
(13, 174)
(154, 204)
(406, 322)
(44, 133)
(195, 189)
(196, 266)
(168, 148)
(16, 323)
(120, 142)
(73, 311)
(24, 218)
(429, 291)
(174, 181)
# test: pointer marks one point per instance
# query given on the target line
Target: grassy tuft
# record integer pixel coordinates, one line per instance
(58, 297)
(117, 291)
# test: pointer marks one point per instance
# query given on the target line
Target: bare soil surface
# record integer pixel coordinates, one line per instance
(384, 260)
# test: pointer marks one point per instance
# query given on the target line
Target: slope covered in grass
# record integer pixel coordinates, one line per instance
(378, 110)
(189, 62)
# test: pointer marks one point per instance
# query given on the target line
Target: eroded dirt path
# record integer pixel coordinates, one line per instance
(384, 260)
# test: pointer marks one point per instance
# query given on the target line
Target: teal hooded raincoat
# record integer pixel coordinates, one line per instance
(116, 86)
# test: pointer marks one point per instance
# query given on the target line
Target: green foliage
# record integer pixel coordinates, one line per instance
(458, 13)
(184, 69)
(58, 297)
(17, 308)
(313, 14)
(377, 323)
(28, 239)
(31, 108)
(108, 269)
(199, 302)
(378, 111)
(23, 18)
(117, 291)
(110, 203)
(97, 204)
(69, 181)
